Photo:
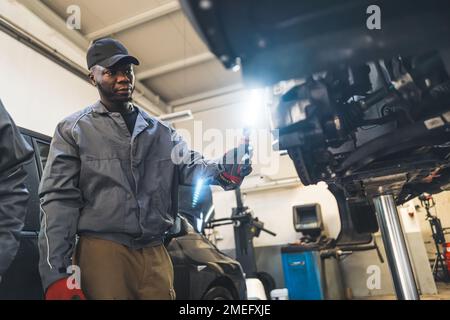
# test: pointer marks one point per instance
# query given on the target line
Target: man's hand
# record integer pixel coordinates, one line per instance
(60, 291)
(235, 165)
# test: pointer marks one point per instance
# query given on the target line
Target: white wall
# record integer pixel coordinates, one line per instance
(411, 224)
(37, 92)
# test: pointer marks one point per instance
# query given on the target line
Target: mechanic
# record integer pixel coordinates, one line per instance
(112, 180)
(14, 154)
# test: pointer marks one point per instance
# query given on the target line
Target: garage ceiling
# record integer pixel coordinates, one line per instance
(175, 63)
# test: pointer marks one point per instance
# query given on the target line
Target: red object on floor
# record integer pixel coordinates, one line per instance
(447, 254)
(59, 291)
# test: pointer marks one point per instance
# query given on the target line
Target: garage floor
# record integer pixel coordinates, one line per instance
(443, 294)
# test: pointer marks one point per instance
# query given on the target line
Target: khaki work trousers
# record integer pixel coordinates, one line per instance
(112, 271)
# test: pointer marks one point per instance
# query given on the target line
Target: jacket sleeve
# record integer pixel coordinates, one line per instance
(13, 208)
(14, 150)
(192, 166)
(14, 154)
(61, 200)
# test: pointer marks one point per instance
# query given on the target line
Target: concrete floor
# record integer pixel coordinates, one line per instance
(443, 294)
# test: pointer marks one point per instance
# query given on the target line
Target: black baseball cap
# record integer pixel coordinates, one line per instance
(106, 52)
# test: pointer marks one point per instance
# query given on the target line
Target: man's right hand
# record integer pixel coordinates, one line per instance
(60, 291)
(235, 165)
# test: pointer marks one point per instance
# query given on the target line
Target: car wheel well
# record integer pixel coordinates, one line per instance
(226, 283)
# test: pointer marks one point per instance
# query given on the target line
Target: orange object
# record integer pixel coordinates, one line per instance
(59, 291)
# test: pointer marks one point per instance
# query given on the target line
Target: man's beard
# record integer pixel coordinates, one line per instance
(113, 97)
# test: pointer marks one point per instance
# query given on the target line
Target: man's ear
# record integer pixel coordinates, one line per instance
(92, 79)
(91, 75)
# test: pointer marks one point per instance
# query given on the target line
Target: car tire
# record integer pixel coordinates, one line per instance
(218, 293)
(267, 281)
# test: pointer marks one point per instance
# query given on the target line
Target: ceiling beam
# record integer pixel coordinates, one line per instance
(176, 65)
(207, 95)
(136, 20)
(56, 22)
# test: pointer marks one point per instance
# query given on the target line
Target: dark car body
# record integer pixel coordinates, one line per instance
(352, 103)
(201, 270)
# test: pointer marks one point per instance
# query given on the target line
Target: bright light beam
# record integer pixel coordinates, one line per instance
(253, 107)
(198, 189)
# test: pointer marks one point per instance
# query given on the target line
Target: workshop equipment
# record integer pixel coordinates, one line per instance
(301, 268)
(310, 272)
(447, 255)
(246, 227)
(441, 261)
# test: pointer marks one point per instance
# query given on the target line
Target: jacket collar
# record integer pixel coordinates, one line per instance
(143, 120)
(144, 115)
(100, 108)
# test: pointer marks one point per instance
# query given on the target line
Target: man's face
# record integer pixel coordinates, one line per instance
(115, 83)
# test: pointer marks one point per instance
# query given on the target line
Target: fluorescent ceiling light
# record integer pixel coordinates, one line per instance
(177, 116)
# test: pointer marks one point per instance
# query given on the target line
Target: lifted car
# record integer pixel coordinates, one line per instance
(364, 109)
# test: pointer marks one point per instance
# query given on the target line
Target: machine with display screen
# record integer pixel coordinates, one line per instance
(308, 219)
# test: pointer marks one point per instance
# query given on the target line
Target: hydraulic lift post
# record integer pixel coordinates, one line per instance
(395, 247)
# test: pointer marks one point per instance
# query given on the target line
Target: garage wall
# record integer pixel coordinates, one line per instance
(37, 92)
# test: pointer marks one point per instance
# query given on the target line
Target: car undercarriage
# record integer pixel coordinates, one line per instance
(366, 110)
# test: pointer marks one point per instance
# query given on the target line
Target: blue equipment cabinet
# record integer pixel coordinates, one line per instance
(302, 273)
(307, 275)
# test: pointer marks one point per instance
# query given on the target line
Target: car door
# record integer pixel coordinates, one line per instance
(22, 280)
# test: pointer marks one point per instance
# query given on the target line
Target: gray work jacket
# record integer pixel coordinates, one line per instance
(104, 182)
(14, 153)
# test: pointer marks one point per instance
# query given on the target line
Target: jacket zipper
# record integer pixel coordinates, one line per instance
(135, 184)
